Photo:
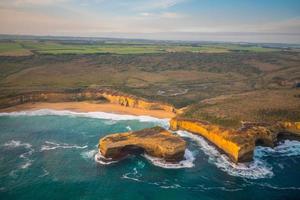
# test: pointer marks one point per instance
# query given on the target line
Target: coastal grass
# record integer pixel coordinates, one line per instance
(267, 106)
(221, 83)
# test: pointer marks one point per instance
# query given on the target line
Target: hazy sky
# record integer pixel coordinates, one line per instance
(215, 20)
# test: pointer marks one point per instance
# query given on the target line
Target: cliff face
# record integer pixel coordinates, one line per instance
(156, 142)
(108, 95)
(239, 145)
(131, 101)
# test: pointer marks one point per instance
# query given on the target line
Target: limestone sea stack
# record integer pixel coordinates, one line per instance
(156, 142)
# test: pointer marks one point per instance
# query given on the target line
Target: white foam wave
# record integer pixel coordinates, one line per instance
(88, 155)
(205, 188)
(270, 186)
(26, 165)
(17, 143)
(46, 173)
(24, 156)
(188, 162)
(135, 176)
(284, 149)
(253, 170)
(99, 158)
(128, 128)
(53, 145)
(13, 174)
(110, 122)
(97, 115)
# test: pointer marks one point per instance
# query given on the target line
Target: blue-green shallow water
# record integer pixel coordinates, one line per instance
(52, 157)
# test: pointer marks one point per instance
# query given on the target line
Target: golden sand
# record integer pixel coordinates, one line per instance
(90, 107)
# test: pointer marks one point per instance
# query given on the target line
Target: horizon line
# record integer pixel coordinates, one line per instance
(166, 40)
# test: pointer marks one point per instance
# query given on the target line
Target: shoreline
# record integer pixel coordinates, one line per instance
(90, 107)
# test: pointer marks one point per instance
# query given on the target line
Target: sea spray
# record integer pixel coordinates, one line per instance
(89, 155)
(99, 158)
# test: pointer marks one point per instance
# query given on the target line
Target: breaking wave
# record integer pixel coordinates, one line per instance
(88, 155)
(52, 145)
(96, 115)
(99, 158)
(188, 162)
(253, 170)
(285, 148)
(128, 128)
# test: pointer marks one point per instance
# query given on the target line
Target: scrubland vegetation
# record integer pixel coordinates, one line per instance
(221, 83)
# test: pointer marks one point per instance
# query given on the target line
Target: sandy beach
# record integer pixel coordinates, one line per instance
(90, 107)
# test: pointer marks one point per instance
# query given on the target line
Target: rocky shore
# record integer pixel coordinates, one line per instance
(239, 144)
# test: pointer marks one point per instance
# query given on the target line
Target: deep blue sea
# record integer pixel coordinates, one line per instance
(50, 154)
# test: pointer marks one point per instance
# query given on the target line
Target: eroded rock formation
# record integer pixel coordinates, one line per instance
(239, 145)
(155, 141)
(86, 95)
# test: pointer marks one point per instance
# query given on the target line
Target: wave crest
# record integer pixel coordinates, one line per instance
(188, 162)
(99, 158)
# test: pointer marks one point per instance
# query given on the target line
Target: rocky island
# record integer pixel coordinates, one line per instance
(156, 142)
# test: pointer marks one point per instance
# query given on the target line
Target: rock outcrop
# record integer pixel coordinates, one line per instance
(239, 145)
(155, 141)
(110, 96)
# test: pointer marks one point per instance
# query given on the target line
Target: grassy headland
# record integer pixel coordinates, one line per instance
(221, 83)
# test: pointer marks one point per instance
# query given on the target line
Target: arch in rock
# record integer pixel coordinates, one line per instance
(265, 142)
(132, 150)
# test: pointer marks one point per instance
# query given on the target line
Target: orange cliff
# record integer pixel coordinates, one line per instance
(86, 95)
(239, 145)
(134, 102)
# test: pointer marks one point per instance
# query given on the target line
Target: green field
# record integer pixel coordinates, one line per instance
(58, 47)
(13, 48)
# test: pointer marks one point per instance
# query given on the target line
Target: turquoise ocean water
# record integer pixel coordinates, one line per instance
(50, 154)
